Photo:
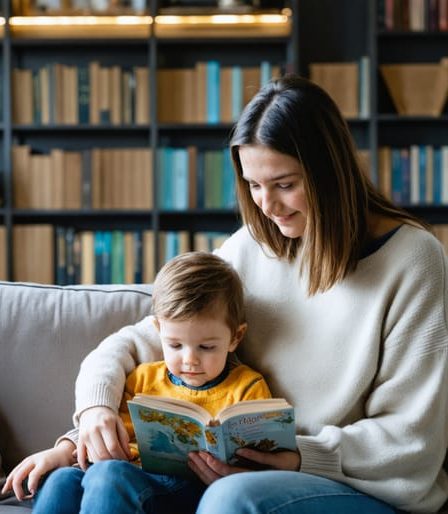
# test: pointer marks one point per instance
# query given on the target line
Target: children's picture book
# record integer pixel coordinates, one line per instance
(167, 429)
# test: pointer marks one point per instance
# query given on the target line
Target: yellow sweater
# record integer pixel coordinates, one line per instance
(242, 383)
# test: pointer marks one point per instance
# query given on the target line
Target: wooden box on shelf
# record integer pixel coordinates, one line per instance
(418, 89)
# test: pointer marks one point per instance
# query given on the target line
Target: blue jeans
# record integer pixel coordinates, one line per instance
(115, 486)
(286, 492)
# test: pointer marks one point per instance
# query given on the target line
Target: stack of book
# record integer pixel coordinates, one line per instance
(91, 179)
(415, 175)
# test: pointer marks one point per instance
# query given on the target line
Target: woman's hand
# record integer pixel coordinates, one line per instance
(36, 466)
(209, 469)
(102, 436)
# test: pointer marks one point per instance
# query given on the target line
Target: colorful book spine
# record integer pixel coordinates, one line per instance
(213, 92)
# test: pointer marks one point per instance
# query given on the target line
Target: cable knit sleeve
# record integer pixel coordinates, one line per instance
(103, 372)
(396, 452)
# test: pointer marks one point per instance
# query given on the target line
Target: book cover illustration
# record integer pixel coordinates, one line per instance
(265, 431)
(165, 438)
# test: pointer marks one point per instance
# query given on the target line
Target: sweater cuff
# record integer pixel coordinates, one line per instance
(99, 395)
(72, 435)
(317, 458)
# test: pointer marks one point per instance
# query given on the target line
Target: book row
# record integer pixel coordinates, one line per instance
(414, 175)
(63, 255)
(188, 178)
(413, 15)
(96, 179)
(348, 83)
(113, 95)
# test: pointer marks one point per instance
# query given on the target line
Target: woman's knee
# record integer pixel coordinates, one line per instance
(232, 493)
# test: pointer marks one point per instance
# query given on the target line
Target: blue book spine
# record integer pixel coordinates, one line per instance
(138, 257)
(107, 257)
(213, 92)
(200, 179)
(61, 265)
(83, 94)
(179, 179)
(37, 104)
(405, 177)
(265, 73)
(397, 183)
(98, 245)
(228, 187)
(437, 176)
(172, 245)
(69, 255)
(237, 92)
(422, 174)
(168, 175)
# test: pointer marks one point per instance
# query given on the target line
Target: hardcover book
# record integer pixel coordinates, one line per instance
(167, 429)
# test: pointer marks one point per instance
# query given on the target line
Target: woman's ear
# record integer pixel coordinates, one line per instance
(237, 337)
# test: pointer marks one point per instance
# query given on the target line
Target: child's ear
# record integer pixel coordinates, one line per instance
(238, 336)
(156, 323)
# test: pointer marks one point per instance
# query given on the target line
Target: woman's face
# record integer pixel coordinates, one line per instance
(276, 185)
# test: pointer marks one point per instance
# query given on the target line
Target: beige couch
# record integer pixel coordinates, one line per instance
(45, 331)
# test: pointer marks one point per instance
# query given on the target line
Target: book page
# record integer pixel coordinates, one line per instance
(252, 406)
(174, 405)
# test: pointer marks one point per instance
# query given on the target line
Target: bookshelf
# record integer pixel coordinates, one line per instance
(349, 31)
(92, 200)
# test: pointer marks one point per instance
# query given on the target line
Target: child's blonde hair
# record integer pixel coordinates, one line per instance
(196, 283)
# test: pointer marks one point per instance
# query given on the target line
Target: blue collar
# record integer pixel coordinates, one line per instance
(377, 243)
(179, 382)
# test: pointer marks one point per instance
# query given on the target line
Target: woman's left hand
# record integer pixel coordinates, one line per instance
(209, 469)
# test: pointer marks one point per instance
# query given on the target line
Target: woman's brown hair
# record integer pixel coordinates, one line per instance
(294, 116)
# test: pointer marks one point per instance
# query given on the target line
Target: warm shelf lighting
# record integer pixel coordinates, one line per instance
(136, 27)
(223, 19)
(31, 21)
(2, 21)
(130, 27)
(224, 25)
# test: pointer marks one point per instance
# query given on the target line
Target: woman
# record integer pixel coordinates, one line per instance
(347, 309)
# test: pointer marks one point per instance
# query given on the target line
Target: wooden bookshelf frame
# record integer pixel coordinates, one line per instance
(44, 38)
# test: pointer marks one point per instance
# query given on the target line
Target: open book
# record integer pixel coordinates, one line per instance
(167, 429)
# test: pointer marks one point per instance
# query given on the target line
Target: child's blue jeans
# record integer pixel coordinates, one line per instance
(115, 486)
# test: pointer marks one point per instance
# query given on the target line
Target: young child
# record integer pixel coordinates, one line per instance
(198, 308)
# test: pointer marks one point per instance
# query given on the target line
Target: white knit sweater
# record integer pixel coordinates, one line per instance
(365, 364)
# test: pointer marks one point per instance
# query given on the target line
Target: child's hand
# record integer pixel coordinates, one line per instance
(35, 467)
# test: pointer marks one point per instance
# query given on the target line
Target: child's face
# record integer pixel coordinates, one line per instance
(196, 349)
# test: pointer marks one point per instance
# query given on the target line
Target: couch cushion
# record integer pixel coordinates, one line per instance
(45, 332)
(13, 506)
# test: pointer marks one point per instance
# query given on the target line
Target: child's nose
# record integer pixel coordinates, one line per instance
(191, 357)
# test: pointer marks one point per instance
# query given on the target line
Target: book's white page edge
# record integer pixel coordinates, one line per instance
(173, 406)
(252, 407)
